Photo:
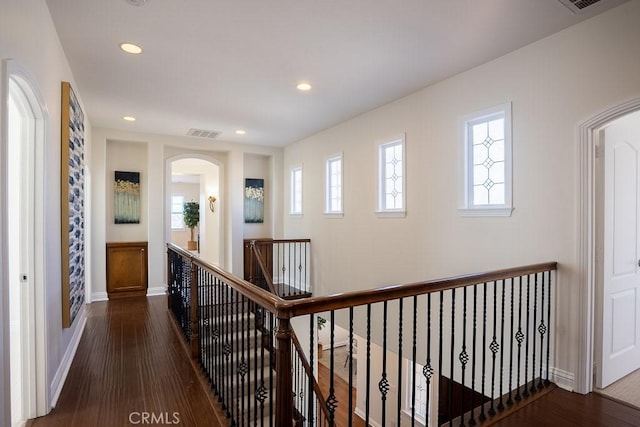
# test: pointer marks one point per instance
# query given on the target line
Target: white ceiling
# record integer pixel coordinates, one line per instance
(223, 65)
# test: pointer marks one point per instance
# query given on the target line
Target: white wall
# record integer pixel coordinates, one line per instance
(160, 150)
(554, 85)
(27, 35)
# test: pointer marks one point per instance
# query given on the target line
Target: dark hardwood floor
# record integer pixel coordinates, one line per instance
(563, 408)
(129, 365)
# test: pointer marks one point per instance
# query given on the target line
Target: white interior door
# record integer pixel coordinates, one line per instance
(621, 263)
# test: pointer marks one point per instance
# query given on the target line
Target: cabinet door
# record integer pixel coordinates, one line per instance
(126, 269)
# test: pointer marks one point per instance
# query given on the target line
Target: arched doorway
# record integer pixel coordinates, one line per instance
(196, 179)
(589, 151)
(23, 243)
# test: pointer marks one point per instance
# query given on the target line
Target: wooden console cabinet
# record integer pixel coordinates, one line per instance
(126, 269)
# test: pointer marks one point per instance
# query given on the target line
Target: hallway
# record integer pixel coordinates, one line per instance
(130, 366)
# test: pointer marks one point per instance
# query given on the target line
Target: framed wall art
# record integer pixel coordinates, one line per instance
(72, 206)
(126, 192)
(254, 200)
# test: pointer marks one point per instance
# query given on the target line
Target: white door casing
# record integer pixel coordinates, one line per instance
(620, 352)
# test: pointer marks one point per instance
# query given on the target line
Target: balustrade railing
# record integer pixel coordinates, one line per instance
(281, 266)
(458, 351)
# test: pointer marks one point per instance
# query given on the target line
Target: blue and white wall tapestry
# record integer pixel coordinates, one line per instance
(126, 191)
(254, 200)
(72, 206)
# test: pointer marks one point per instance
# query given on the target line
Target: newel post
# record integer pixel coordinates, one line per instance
(194, 324)
(284, 385)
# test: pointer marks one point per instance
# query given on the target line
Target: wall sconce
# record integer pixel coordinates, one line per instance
(212, 200)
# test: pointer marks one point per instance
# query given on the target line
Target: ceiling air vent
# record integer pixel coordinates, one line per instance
(200, 133)
(578, 6)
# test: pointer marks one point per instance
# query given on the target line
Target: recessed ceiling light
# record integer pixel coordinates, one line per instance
(131, 48)
(136, 2)
(129, 118)
(304, 87)
(240, 132)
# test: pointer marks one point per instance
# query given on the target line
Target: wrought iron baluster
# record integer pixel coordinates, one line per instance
(482, 417)
(533, 335)
(440, 350)
(464, 356)
(494, 347)
(427, 370)
(383, 385)
(510, 400)
(272, 363)
(525, 392)
(313, 327)
(451, 355)
(472, 418)
(519, 336)
(547, 382)
(368, 382)
(331, 399)
(351, 366)
(501, 403)
(542, 329)
(400, 332)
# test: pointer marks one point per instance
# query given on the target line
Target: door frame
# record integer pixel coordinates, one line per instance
(222, 255)
(587, 237)
(36, 391)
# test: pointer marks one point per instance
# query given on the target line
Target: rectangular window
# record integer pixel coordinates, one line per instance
(391, 178)
(177, 217)
(420, 393)
(487, 148)
(334, 186)
(296, 191)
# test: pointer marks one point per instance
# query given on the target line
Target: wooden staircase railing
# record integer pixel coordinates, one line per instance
(489, 332)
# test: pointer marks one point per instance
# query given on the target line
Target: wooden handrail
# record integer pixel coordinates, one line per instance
(255, 293)
(287, 309)
(309, 371)
(266, 272)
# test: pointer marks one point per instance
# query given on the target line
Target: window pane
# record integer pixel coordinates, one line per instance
(487, 157)
(391, 170)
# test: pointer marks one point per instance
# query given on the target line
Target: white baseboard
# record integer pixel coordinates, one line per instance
(563, 379)
(156, 290)
(67, 359)
(99, 296)
(336, 345)
(359, 412)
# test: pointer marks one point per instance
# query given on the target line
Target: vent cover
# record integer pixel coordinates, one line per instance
(577, 6)
(200, 133)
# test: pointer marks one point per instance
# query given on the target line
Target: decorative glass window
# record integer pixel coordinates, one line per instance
(177, 217)
(296, 191)
(391, 178)
(487, 146)
(334, 186)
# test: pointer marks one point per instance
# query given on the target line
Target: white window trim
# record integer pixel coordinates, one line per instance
(408, 380)
(327, 203)
(380, 211)
(292, 200)
(466, 207)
